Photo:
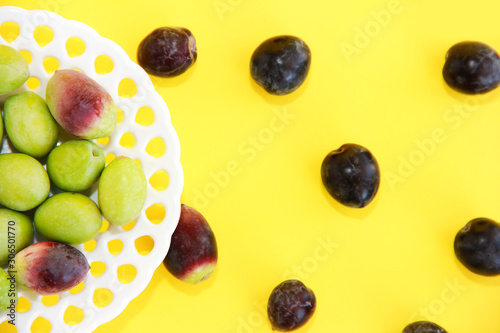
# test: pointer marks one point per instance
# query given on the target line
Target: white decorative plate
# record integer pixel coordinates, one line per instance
(116, 254)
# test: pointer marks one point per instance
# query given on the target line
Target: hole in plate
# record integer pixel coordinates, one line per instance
(50, 64)
(103, 141)
(144, 245)
(110, 157)
(126, 273)
(50, 300)
(156, 147)
(97, 268)
(41, 325)
(43, 35)
(102, 297)
(78, 288)
(115, 246)
(159, 180)
(23, 305)
(9, 31)
(129, 226)
(33, 82)
(127, 88)
(90, 245)
(155, 213)
(145, 116)
(127, 140)
(119, 115)
(73, 315)
(75, 46)
(5, 327)
(105, 226)
(27, 55)
(103, 64)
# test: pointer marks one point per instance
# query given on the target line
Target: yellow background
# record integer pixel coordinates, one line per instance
(375, 80)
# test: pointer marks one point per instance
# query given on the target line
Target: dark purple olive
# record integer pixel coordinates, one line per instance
(48, 268)
(351, 175)
(280, 64)
(472, 68)
(423, 327)
(192, 256)
(167, 52)
(290, 305)
(477, 246)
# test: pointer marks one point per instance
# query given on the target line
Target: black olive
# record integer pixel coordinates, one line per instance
(423, 327)
(351, 175)
(290, 305)
(167, 52)
(472, 68)
(477, 246)
(280, 64)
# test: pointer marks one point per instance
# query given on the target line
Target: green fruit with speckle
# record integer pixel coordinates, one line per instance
(1, 129)
(16, 232)
(122, 191)
(24, 183)
(14, 69)
(8, 292)
(70, 218)
(75, 165)
(29, 124)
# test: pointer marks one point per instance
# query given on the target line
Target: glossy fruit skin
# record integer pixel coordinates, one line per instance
(192, 256)
(472, 68)
(48, 268)
(351, 175)
(477, 246)
(24, 183)
(290, 305)
(29, 125)
(280, 64)
(19, 226)
(80, 105)
(1, 128)
(14, 69)
(423, 327)
(70, 218)
(122, 191)
(167, 51)
(8, 293)
(75, 165)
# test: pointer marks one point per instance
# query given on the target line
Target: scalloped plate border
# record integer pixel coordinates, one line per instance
(170, 162)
